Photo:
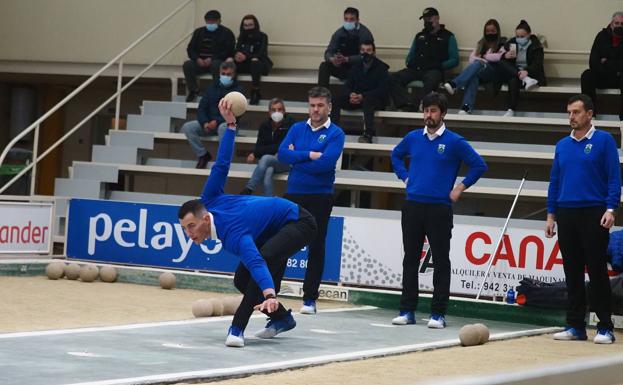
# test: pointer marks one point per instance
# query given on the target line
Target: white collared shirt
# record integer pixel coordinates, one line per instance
(588, 135)
(437, 133)
(325, 125)
(213, 235)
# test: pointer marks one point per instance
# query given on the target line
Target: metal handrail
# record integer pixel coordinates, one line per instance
(36, 124)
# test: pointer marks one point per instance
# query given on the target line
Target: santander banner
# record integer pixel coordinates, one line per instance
(25, 227)
(524, 252)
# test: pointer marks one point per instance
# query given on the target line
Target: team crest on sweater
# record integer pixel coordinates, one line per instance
(321, 138)
(441, 148)
(588, 148)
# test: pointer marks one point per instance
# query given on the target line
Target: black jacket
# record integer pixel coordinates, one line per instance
(347, 43)
(602, 48)
(268, 140)
(218, 44)
(256, 47)
(534, 57)
(368, 82)
(433, 51)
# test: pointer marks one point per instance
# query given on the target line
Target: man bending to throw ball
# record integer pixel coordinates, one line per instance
(263, 231)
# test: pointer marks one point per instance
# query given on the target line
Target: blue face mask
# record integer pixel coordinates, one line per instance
(521, 40)
(225, 80)
(349, 26)
(211, 27)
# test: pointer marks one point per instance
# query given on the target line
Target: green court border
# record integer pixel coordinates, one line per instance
(485, 310)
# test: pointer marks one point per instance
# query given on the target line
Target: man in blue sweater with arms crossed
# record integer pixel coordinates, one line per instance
(312, 148)
(264, 232)
(584, 191)
(436, 154)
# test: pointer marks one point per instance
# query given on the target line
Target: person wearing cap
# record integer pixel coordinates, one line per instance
(343, 49)
(209, 46)
(522, 65)
(433, 51)
(606, 62)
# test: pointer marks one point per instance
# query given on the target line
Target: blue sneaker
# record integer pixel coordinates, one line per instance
(405, 318)
(571, 334)
(235, 337)
(604, 336)
(309, 307)
(437, 321)
(274, 327)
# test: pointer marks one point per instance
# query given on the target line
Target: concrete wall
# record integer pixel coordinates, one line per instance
(93, 31)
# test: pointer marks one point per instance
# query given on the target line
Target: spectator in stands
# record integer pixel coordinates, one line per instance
(584, 192)
(269, 136)
(343, 49)
(522, 64)
(365, 88)
(208, 48)
(606, 62)
(435, 155)
(482, 68)
(277, 231)
(209, 121)
(252, 54)
(433, 51)
(313, 148)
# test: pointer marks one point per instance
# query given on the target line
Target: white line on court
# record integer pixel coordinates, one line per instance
(383, 325)
(154, 324)
(248, 369)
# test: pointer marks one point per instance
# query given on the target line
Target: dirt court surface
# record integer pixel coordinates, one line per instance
(36, 303)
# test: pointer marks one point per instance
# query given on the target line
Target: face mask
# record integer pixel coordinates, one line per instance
(366, 57)
(226, 80)
(618, 31)
(521, 40)
(276, 116)
(211, 27)
(428, 25)
(349, 25)
(491, 36)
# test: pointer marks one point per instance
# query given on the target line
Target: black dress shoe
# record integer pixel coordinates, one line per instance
(202, 162)
(365, 138)
(255, 97)
(246, 191)
(191, 97)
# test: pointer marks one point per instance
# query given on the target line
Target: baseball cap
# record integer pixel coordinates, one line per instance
(430, 11)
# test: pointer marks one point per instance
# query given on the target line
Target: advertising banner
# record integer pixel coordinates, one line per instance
(25, 227)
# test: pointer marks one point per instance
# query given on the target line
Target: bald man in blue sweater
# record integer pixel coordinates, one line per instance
(436, 154)
(584, 192)
(263, 231)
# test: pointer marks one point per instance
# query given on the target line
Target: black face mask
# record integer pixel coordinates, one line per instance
(366, 57)
(618, 31)
(491, 36)
(249, 34)
(428, 26)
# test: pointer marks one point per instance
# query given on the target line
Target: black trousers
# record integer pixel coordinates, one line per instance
(327, 69)
(433, 221)
(192, 71)
(290, 239)
(583, 243)
(320, 206)
(593, 80)
(369, 105)
(399, 80)
(507, 73)
(256, 68)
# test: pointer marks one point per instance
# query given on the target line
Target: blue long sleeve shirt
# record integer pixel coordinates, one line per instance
(311, 176)
(244, 221)
(585, 173)
(434, 165)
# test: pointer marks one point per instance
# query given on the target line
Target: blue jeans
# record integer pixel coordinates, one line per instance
(263, 173)
(194, 132)
(471, 77)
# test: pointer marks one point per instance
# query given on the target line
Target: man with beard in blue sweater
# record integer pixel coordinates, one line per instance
(584, 191)
(264, 232)
(435, 154)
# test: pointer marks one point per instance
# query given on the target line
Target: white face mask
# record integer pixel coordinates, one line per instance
(276, 116)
